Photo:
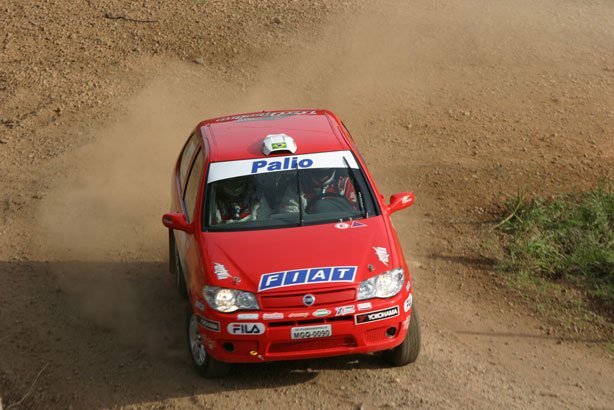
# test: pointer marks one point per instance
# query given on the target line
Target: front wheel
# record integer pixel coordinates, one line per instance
(407, 352)
(204, 364)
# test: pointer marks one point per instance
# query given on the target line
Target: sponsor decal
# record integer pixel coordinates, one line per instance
(408, 303)
(208, 324)
(406, 323)
(265, 115)
(356, 224)
(220, 271)
(269, 316)
(345, 310)
(321, 312)
(377, 315)
(245, 328)
(329, 274)
(210, 343)
(199, 305)
(297, 315)
(342, 225)
(364, 306)
(280, 165)
(248, 316)
(232, 169)
(382, 254)
(406, 199)
(408, 286)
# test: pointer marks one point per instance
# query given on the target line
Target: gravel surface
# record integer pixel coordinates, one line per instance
(460, 102)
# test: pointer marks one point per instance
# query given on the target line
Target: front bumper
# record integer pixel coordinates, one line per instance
(361, 327)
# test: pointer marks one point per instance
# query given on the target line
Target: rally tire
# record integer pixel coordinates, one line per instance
(408, 351)
(204, 364)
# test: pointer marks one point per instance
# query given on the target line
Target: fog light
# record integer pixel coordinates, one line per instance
(229, 347)
(391, 331)
(253, 353)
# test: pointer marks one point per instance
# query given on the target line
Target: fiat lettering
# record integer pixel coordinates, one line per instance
(306, 276)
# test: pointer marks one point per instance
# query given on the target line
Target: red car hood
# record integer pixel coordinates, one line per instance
(248, 255)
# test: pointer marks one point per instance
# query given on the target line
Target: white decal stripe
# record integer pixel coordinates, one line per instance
(232, 169)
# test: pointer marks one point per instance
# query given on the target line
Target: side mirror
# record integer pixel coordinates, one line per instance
(176, 221)
(400, 201)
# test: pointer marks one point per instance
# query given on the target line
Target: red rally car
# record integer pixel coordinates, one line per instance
(283, 245)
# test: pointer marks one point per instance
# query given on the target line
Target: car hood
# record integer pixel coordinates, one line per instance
(240, 259)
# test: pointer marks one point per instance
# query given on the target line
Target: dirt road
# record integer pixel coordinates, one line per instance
(460, 102)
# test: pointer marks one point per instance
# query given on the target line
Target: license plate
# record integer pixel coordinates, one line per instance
(310, 332)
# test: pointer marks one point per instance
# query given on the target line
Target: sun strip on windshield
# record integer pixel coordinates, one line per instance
(258, 166)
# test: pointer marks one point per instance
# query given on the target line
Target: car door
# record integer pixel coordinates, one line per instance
(187, 242)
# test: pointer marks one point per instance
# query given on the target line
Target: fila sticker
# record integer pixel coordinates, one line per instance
(245, 328)
(329, 274)
(382, 254)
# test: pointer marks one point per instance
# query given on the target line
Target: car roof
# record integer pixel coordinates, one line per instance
(240, 136)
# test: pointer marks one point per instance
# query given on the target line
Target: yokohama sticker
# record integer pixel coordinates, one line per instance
(208, 324)
(377, 315)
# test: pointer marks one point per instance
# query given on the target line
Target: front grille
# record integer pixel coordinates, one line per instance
(313, 344)
(311, 321)
(295, 300)
(376, 335)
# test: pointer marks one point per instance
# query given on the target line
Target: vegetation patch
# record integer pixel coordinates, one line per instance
(562, 249)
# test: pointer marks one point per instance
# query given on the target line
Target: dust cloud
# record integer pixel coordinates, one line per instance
(101, 221)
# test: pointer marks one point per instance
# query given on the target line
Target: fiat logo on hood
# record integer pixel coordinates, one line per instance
(309, 300)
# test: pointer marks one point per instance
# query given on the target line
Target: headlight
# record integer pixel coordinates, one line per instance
(384, 285)
(228, 300)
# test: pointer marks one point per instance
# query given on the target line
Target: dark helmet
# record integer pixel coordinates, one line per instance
(235, 187)
(322, 176)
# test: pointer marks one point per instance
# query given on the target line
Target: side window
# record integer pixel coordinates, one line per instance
(186, 159)
(191, 190)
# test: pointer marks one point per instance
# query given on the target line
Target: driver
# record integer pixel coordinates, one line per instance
(319, 183)
(238, 200)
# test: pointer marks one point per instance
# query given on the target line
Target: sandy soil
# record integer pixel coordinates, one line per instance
(461, 102)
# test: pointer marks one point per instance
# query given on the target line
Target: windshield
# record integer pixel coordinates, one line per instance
(269, 195)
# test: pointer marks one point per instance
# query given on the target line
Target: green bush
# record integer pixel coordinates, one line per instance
(569, 239)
